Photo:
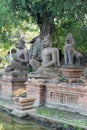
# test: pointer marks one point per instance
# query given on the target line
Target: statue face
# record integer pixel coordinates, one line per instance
(20, 45)
(45, 43)
(69, 39)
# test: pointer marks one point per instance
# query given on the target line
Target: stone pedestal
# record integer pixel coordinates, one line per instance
(36, 89)
(24, 103)
(72, 74)
(22, 106)
(12, 85)
(65, 96)
(61, 95)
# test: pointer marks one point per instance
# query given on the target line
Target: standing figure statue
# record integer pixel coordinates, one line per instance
(20, 61)
(49, 57)
(70, 52)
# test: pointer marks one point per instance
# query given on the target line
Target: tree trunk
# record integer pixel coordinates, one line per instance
(46, 28)
(46, 25)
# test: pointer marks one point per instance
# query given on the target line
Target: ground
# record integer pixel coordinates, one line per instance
(73, 119)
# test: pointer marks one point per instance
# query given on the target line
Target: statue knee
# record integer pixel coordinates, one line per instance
(35, 64)
(32, 62)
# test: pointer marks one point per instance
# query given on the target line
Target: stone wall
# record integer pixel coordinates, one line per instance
(10, 89)
(36, 91)
(11, 86)
(64, 96)
(67, 97)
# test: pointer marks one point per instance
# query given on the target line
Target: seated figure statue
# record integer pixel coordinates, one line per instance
(21, 59)
(70, 52)
(35, 49)
(49, 57)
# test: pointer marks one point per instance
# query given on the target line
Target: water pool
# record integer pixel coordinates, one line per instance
(10, 123)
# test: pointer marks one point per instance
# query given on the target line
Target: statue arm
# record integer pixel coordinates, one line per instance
(25, 59)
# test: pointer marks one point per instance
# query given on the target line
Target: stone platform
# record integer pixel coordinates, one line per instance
(62, 95)
(24, 103)
(36, 90)
(72, 73)
(22, 106)
(12, 85)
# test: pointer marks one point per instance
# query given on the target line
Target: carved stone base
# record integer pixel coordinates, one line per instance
(12, 85)
(22, 106)
(73, 74)
(64, 96)
(54, 73)
(69, 97)
(35, 89)
(24, 103)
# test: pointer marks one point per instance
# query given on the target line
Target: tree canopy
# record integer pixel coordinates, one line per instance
(57, 17)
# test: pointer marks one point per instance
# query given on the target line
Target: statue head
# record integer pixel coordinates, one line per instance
(47, 41)
(20, 44)
(70, 39)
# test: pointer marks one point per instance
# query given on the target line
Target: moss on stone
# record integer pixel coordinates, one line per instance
(74, 118)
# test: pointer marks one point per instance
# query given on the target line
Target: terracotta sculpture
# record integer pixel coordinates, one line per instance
(20, 61)
(70, 52)
(50, 57)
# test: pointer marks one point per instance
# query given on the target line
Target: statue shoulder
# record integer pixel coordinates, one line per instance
(55, 49)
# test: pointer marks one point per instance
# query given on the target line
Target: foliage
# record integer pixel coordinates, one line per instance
(62, 78)
(53, 9)
(63, 17)
(79, 32)
(1, 127)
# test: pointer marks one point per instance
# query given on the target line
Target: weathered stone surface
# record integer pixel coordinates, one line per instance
(85, 72)
(45, 75)
(64, 96)
(13, 77)
(67, 97)
(20, 60)
(23, 103)
(35, 89)
(56, 124)
(19, 113)
(12, 85)
(49, 57)
(70, 52)
(72, 73)
(22, 106)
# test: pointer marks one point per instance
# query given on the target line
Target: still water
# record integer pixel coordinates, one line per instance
(10, 123)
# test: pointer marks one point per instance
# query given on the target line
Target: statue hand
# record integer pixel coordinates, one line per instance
(44, 65)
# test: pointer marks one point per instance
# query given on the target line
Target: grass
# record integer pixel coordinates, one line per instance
(74, 118)
(69, 117)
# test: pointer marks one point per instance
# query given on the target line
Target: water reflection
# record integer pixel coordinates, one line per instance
(11, 123)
